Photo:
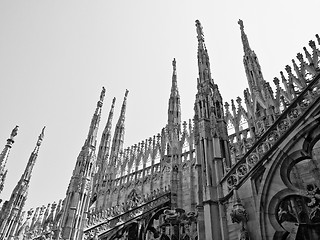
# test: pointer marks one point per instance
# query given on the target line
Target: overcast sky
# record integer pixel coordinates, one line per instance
(55, 56)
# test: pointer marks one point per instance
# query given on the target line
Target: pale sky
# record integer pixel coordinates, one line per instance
(55, 56)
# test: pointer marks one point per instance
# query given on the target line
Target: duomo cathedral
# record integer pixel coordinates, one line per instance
(247, 169)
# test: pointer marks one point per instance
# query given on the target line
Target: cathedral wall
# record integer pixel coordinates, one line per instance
(114, 198)
(247, 196)
(233, 228)
(147, 184)
(156, 176)
(186, 184)
(166, 174)
(122, 195)
(100, 200)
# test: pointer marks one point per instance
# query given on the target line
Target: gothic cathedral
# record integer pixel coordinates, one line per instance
(248, 169)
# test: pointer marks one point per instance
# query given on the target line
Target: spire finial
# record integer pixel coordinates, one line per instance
(174, 64)
(245, 42)
(240, 22)
(199, 31)
(123, 108)
(41, 136)
(174, 86)
(103, 93)
(100, 102)
(4, 157)
(14, 132)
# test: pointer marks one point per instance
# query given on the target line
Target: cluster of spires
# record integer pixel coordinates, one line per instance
(262, 104)
(11, 211)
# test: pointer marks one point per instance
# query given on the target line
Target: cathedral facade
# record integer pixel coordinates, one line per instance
(248, 169)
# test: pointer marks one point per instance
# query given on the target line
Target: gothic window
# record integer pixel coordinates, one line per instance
(301, 215)
(185, 146)
(186, 157)
(230, 128)
(148, 163)
(218, 110)
(147, 172)
(281, 106)
(157, 158)
(118, 174)
(133, 168)
(243, 123)
(140, 166)
(248, 134)
(304, 173)
(156, 168)
(299, 212)
(200, 110)
(125, 172)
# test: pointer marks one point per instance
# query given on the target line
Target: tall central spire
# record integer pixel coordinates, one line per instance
(203, 57)
(210, 134)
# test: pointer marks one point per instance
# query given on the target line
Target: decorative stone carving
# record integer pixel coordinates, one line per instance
(239, 215)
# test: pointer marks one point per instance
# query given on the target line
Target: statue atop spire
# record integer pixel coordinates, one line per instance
(199, 31)
(102, 95)
(14, 132)
(174, 65)
(240, 22)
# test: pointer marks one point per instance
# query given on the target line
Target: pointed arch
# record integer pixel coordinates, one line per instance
(148, 161)
(157, 157)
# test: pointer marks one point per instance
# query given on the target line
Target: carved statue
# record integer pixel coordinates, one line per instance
(240, 22)
(41, 136)
(199, 30)
(103, 93)
(14, 132)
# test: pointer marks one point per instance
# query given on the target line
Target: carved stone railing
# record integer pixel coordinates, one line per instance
(268, 141)
(109, 224)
